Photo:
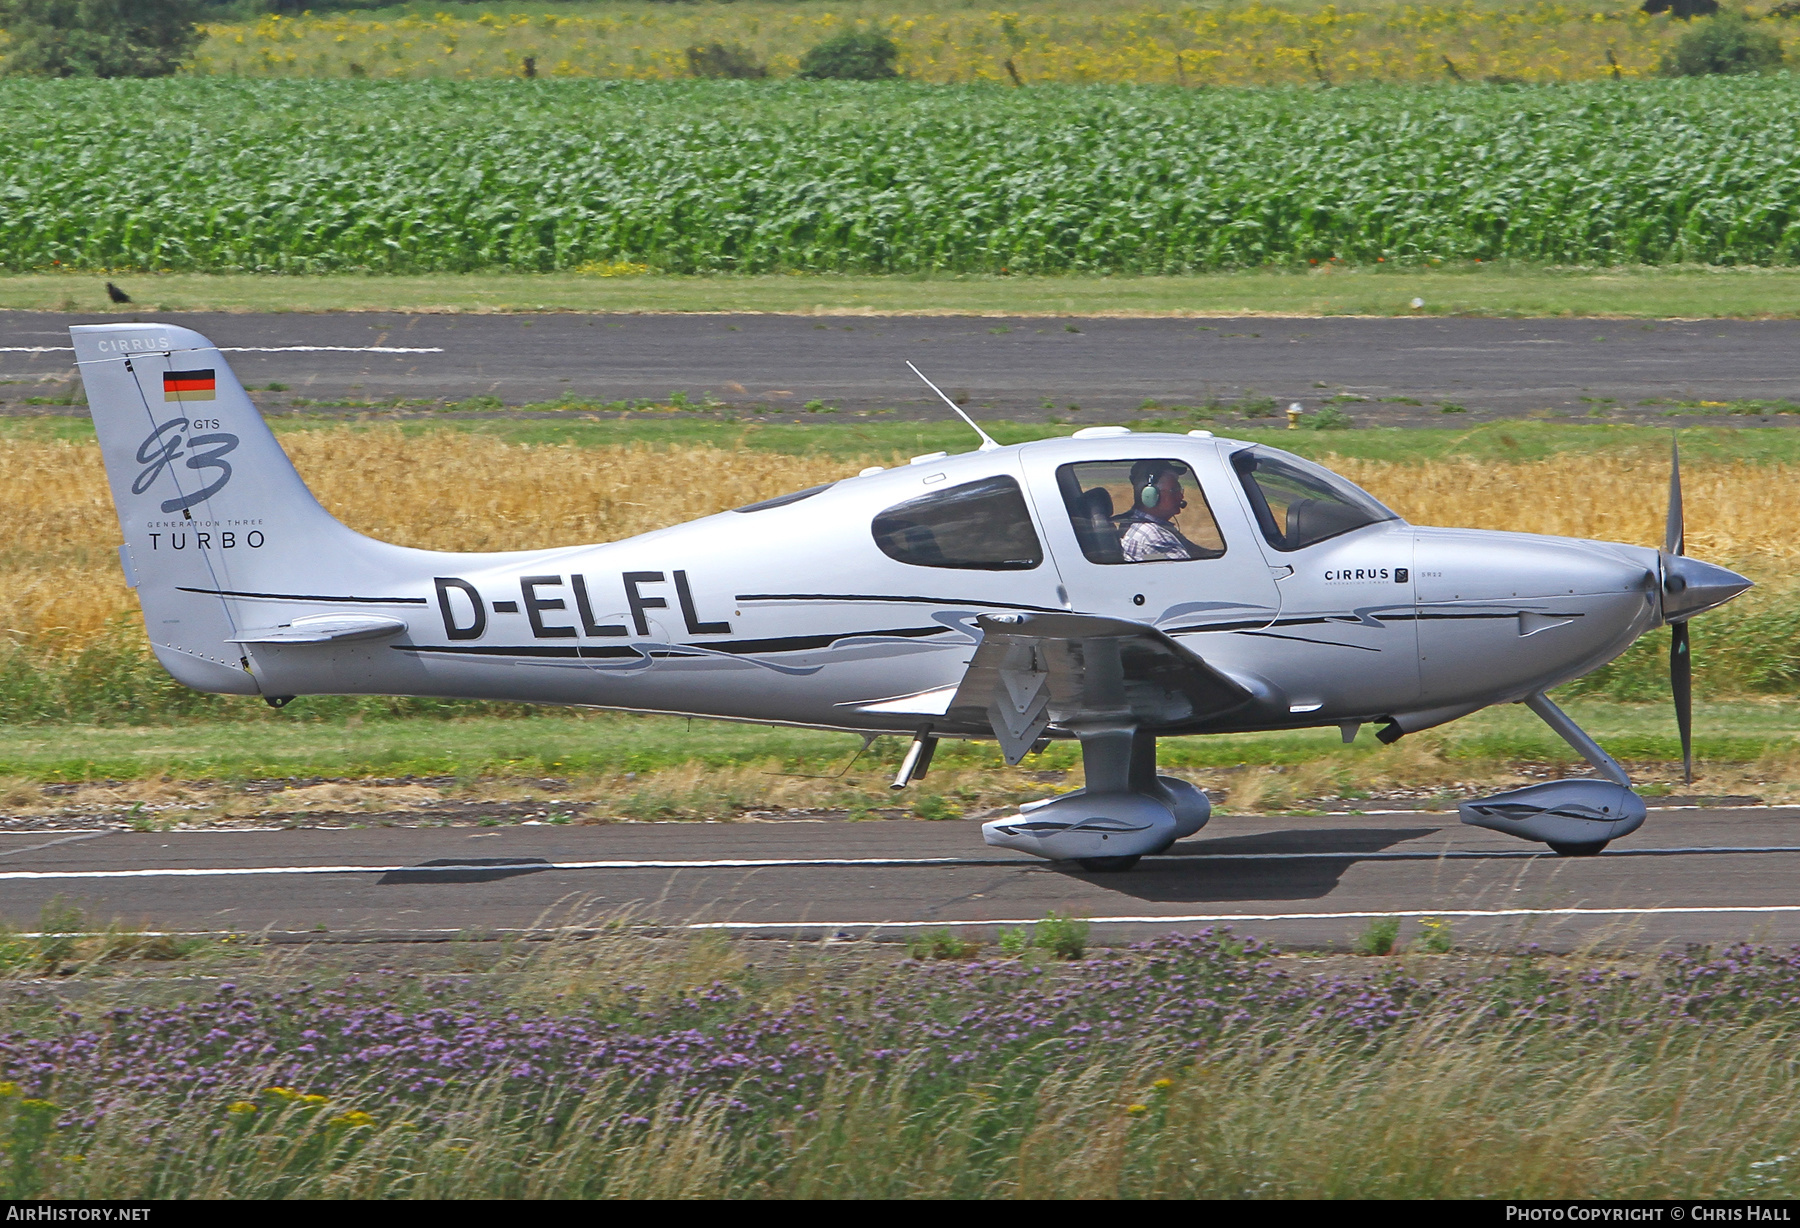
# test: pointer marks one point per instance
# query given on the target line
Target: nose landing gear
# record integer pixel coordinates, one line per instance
(1576, 818)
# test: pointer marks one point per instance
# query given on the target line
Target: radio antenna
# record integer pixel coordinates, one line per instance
(987, 441)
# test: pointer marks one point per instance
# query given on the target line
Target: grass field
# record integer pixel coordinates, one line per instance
(228, 174)
(1047, 41)
(618, 1063)
(603, 767)
(1465, 288)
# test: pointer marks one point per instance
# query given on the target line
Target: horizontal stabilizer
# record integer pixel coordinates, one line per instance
(325, 629)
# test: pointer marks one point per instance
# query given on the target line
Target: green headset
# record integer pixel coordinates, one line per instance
(1149, 493)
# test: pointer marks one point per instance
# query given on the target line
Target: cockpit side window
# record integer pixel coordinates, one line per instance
(1146, 510)
(1299, 504)
(979, 526)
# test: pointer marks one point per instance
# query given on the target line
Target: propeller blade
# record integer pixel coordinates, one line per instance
(1675, 531)
(1681, 683)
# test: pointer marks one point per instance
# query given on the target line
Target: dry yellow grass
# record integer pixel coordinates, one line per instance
(1736, 511)
(59, 574)
(60, 585)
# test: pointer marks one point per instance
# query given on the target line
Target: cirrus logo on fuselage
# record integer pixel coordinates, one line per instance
(164, 446)
(1398, 575)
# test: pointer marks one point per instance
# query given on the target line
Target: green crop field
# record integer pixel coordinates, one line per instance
(311, 176)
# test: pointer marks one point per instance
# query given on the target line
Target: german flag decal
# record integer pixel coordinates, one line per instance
(187, 385)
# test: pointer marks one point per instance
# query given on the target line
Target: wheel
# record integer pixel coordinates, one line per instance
(1108, 865)
(1589, 849)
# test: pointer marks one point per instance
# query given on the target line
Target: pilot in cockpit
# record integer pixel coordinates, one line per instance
(1145, 534)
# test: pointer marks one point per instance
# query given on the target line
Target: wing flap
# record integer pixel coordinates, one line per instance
(1032, 670)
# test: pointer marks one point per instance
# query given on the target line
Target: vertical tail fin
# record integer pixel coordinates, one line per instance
(209, 503)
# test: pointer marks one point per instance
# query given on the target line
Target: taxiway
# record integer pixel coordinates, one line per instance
(1393, 371)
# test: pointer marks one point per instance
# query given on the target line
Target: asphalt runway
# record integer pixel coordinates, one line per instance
(1019, 369)
(1688, 876)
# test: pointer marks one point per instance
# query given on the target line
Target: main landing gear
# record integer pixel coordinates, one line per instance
(1125, 812)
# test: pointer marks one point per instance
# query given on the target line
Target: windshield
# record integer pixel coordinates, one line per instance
(1297, 503)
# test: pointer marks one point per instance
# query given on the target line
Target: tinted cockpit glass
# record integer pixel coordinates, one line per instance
(1298, 503)
(980, 526)
(1147, 510)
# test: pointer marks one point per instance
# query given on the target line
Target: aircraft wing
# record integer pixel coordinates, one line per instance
(1076, 669)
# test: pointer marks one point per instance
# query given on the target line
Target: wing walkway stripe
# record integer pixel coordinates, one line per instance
(752, 863)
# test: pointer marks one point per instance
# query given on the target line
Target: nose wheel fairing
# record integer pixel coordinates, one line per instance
(1576, 818)
(1573, 816)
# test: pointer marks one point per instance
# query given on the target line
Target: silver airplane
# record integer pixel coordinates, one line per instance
(1111, 587)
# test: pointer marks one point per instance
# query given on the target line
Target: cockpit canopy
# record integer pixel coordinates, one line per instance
(1136, 508)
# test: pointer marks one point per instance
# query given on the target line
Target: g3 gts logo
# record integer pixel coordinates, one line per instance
(163, 447)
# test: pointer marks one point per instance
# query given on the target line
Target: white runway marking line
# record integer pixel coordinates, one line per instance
(256, 349)
(464, 868)
(753, 863)
(339, 349)
(1224, 918)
